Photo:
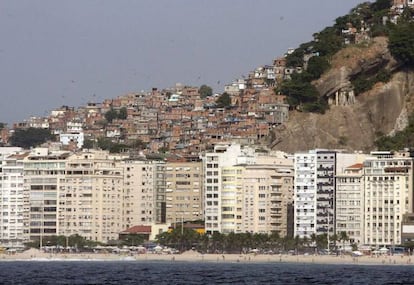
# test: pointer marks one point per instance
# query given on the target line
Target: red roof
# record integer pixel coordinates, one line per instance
(356, 166)
(138, 230)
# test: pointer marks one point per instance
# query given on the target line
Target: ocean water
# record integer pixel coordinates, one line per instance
(137, 272)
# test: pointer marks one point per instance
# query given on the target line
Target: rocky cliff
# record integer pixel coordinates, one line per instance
(354, 126)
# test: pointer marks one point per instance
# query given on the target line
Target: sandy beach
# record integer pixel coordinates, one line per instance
(192, 256)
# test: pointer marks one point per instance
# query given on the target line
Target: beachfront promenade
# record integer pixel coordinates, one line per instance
(192, 256)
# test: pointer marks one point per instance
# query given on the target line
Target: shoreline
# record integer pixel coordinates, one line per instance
(192, 256)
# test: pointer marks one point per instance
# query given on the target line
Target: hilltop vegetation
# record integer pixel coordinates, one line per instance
(31, 137)
(367, 18)
(374, 74)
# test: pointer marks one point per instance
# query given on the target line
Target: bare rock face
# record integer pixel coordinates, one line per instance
(382, 110)
(352, 61)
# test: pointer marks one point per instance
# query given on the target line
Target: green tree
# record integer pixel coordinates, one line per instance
(133, 240)
(343, 236)
(400, 140)
(138, 144)
(2, 126)
(205, 91)
(88, 144)
(224, 100)
(300, 92)
(274, 240)
(179, 238)
(217, 242)
(123, 113)
(401, 42)
(328, 42)
(333, 239)
(104, 143)
(295, 59)
(380, 5)
(30, 137)
(322, 241)
(110, 115)
(317, 65)
(118, 147)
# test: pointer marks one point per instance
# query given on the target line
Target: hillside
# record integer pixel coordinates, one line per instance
(357, 124)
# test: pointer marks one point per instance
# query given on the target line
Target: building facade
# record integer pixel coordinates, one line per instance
(350, 203)
(223, 155)
(184, 191)
(44, 174)
(388, 196)
(268, 195)
(91, 196)
(13, 199)
(314, 193)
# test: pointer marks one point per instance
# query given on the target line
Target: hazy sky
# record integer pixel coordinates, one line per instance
(55, 53)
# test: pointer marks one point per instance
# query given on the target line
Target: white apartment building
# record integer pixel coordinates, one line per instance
(13, 201)
(139, 197)
(223, 155)
(247, 191)
(314, 193)
(232, 199)
(388, 185)
(44, 173)
(305, 194)
(350, 203)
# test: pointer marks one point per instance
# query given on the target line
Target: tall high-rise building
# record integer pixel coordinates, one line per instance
(44, 174)
(91, 196)
(248, 191)
(349, 210)
(184, 191)
(388, 186)
(13, 198)
(231, 199)
(268, 195)
(314, 194)
(223, 155)
(160, 186)
(139, 201)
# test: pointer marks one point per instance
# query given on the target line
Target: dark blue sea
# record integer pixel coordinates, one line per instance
(137, 272)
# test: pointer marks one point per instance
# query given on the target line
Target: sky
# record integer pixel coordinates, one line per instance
(55, 53)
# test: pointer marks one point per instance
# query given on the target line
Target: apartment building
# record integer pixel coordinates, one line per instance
(13, 198)
(349, 210)
(223, 155)
(184, 191)
(232, 199)
(44, 174)
(91, 196)
(160, 186)
(138, 200)
(248, 191)
(388, 186)
(314, 193)
(268, 195)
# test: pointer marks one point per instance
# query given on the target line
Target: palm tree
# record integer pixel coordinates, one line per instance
(217, 241)
(333, 238)
(343, 236)
(322, 241)
(305, 241)
(274, 241)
